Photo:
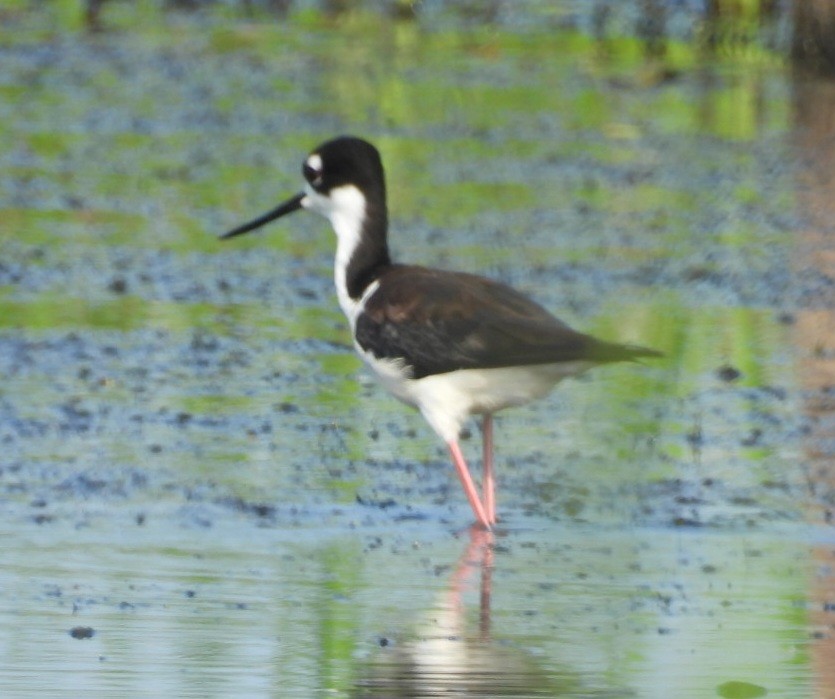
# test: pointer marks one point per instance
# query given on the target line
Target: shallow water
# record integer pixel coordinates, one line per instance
(574, 610)
(195, 467)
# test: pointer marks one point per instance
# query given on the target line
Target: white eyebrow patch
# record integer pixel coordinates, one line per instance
(314, 162)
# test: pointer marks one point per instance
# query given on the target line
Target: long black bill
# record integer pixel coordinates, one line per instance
(287, 207)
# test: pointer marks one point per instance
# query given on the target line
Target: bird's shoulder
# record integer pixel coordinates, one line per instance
(413, 294)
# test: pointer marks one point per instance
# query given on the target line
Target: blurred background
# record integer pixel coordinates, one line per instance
(203, 493)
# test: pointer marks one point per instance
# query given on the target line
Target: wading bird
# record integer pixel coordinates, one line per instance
(450, 344)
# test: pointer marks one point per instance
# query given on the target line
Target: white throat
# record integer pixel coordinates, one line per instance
(345, 208)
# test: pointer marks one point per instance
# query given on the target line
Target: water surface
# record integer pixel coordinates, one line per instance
(197, 473)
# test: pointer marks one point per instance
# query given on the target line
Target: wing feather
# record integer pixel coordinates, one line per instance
(439, 321)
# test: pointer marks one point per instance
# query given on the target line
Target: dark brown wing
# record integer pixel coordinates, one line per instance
(440, 321)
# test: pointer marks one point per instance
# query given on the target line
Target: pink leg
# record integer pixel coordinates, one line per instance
(467, 481)
(489, 484)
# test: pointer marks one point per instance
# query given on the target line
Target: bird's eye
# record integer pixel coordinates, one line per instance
(312, 174)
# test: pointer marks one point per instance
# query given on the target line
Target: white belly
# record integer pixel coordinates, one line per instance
(447, 400)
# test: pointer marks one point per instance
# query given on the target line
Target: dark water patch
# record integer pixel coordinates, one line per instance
(82, 632)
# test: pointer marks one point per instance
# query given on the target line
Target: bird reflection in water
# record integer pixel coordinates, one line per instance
(446, 660)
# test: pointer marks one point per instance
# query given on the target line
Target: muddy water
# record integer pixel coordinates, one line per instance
(203, 494)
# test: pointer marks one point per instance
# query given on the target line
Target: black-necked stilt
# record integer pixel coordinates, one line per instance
(448, 343)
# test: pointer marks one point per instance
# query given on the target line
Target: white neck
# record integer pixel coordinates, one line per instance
(345, 208)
